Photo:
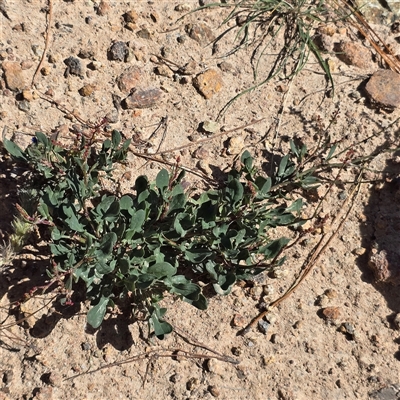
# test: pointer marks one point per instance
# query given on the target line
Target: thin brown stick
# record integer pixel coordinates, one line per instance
(191, 340)
(359, 22)
(47, 40)
(171, 164)
(154, 355)
(209, 138)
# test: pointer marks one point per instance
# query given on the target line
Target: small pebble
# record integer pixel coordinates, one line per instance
(214, 366)
(348, 328)
(16, 78)
(131, 16)
(183, 7)
(129, 79)
(263, 326)
(27, 64)
(143, 98)
(74, 66)
(236, 351)
(331, 313)
(383, 89)
(268, 290)
(201, 33)
(238, 321)
(189, 68)
(225, 66)
(95, 65)
(201, 153)
(144, 34)
(104, 8)
(181, 39)
(275, 339)
(131, 26)
(331, 293)
(53, 58)
(118, 51)
(24, 105)
(86, 346)
(87, 90)
(163, 70)
(208, 83)
(205, 167)
(28, 95)
(49, 92)
(298, 324)
(214, 391)
(45, 71)
(359, 251)
(192, 384)
(235, 145)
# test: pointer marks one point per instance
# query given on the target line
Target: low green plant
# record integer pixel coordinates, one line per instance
(159, 239)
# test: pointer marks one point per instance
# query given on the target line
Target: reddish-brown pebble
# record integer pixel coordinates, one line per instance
(331, 313)
(383, 89)
(129, 79)
(239, 321)
(208, 83)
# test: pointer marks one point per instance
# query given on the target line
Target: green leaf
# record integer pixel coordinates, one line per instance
(137, 220)
(310, 182)
(263, 184)
(183, 222)
(331, 152)
(130, 282)
(107, 243)
(96, 314)
(177, 202)
(44, 211)
(126, 202)
(42, 138)
(113, 211)
(106, 146)
(105, 203)
(198, 255)
(161, 270)
(59, 249)
(161, 328)
(124, 265)
(116, 138)
(283, 165)
(272, 249)
(14, 150)
(186, 289)
(200, 303)
(247, 160)
(72, 219)
(294, 149)
(235, 191)
(296, 206)
(103, 266)
(225, 283)
(162, 180)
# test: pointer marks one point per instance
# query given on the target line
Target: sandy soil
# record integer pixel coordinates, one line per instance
(304, 354)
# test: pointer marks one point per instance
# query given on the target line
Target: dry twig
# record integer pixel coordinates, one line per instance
(47, 40)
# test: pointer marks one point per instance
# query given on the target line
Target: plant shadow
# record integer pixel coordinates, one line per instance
(381, 239)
